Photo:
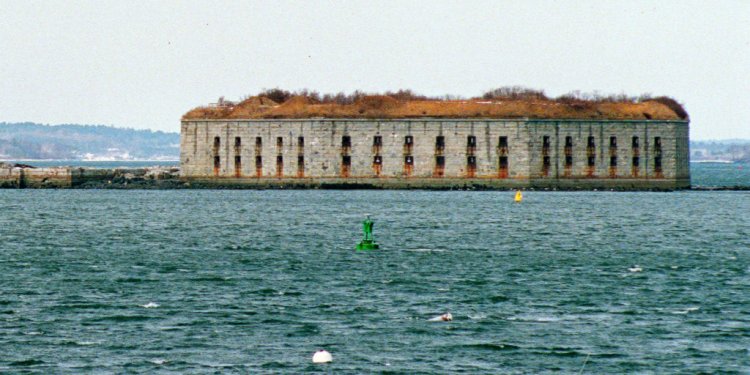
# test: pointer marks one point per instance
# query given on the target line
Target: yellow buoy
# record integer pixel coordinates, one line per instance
(519, 196)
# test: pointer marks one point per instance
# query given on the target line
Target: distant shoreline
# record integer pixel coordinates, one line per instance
(93, 164)
(11, 160)
(714, 161)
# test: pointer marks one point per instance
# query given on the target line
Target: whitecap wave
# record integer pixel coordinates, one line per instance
(535, 319)
(686, 311)
(426, 250)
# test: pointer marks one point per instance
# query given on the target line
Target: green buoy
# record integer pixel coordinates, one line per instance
(368, 243)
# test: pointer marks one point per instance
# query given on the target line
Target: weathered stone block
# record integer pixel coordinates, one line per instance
(405, 153)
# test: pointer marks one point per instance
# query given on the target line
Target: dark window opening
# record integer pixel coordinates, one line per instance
(217, 162)
(613, 161)
(217, 142)
(636, 161)
(503, 142)
(568, 141)
(440, 161)
(568, 160)
(346, 160)
(279, 142)
(545, 149)
(377, 160)
(377, 140)
(471, 161)
(612, 141)
(237, 141)
(546, 161)
(300, 165)
(503, 162)
(591, 161)
(440, 141)
(258, 142)
(471, 141)
(409, 160)
(237, 160)
(657, 153)
(301, 141)
(636, 142)
(279, 165)
(258, 165)
(346, 141)
(408, 140)
(591, 142)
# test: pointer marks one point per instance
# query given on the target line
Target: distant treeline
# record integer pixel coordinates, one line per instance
(36, 141)
(731, 149)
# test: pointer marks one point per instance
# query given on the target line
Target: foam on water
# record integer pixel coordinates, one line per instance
(256, 281)
(686, 311)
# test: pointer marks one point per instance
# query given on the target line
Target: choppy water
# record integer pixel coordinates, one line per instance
(257, 281)
(720, 174)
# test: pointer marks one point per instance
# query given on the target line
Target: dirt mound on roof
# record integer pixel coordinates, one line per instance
(251, 106)
(258, 101)
(377, 102)
(294, 107)
(375, 106)
(307, 104)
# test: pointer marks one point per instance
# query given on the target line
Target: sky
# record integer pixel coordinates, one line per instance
(142, 64)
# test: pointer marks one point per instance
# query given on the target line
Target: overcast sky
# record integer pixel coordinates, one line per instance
(144, 64)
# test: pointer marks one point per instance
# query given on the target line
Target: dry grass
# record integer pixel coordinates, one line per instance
(511, 102)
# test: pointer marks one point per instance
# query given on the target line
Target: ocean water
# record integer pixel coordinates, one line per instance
(222, 282)
(720, 174)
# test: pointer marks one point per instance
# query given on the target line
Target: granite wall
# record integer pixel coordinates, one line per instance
(439, 153)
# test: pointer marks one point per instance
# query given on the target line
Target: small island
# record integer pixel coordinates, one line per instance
(507, 138)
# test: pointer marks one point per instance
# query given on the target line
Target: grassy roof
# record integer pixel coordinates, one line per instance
(512, 102)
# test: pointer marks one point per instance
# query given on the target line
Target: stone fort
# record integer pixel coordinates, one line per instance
(436, 153)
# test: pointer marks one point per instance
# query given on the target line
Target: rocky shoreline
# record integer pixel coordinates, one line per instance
(19, 176)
